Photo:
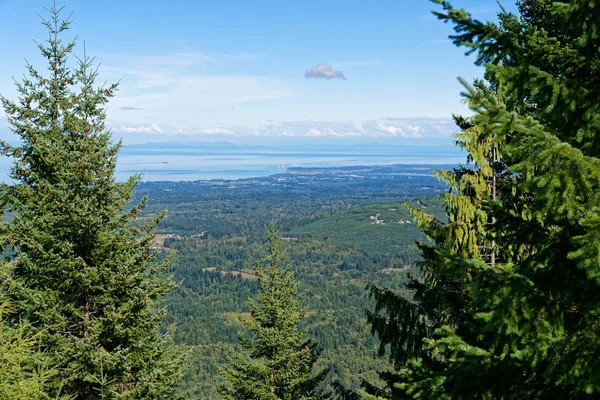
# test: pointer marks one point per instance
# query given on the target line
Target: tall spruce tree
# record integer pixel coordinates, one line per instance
(89, 278)
(277, 363)
(509, 302)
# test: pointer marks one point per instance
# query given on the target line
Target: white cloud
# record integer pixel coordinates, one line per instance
(178, 60)
(153, 129)
(387, 128)
(192, 91)
(398, 128)
(218, 131)
(179, 85)
(323, 71)
(381, 128)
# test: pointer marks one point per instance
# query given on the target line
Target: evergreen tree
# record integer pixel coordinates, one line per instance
(277, 364)
(24, 370)
(88, 277)
(508, 303)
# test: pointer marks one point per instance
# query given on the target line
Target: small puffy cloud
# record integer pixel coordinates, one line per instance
(130, 108)
(323, 71)
(154, 128)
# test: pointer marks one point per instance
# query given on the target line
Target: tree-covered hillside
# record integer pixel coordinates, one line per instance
(335, 246)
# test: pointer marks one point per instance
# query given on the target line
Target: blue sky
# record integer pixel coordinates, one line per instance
(237, 70)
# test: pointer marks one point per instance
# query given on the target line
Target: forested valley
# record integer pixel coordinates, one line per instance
(215, 231)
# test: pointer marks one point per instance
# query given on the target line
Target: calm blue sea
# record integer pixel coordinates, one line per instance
(189, 162)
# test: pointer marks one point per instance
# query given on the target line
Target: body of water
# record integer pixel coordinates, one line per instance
(190, 162)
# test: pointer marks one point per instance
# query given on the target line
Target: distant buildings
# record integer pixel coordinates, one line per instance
(376, 220)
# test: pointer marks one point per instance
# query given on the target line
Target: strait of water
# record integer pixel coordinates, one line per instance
(181, 162)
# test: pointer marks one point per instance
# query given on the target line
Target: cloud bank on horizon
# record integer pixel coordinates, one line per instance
(418, 129)
(324, 71)
(425, 130)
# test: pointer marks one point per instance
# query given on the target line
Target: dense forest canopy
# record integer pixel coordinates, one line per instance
(333, 245)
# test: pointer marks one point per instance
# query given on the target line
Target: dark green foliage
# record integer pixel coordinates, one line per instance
(336, 248)
(508, 303)
(243, 207)
(87, 276)
(25, 371)
(277, 363)
(334, 252)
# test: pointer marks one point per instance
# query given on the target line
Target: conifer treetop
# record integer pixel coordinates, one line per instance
(89, 280)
